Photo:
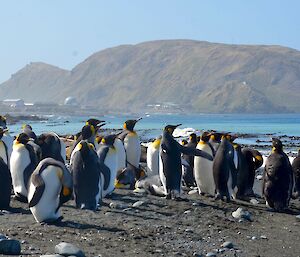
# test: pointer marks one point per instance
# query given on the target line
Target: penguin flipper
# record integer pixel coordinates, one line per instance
(39, 184)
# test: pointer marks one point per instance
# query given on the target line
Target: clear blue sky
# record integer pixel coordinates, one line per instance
(65, 32)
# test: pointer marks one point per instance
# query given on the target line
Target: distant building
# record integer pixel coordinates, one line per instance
(14, 103)
(71, 101)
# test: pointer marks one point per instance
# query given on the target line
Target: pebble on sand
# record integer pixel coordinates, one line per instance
(227, 245)
(10, 246)
(67, 249)
(240, 213)
(138, 204)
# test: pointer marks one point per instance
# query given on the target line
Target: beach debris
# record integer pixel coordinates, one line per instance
(227, 245)
(138, 204)
(67, 249)
(242, 214)
(9, 246)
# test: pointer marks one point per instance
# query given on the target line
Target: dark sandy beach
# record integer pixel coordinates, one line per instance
(159, 227)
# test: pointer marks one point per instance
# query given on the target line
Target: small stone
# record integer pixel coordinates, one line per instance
(126, 209)
(189, 230)
(68, 249)
(211, 254)
(221, 250)
(227, 245)
(187, 212)
(298, 217)
(254, 201)
(2, 237)
(10, 246)
(240, 213)
(253, 238)
(263, 237)
(259, 177)
(138, 204)
(113, 205)
(51, 255)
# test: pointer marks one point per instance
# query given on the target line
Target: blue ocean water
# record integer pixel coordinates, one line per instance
(151, 125)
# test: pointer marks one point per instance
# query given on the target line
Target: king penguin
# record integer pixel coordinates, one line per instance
(7, 139)
(188, 170)
(23, 161)
(296, 171)
(249, 161)
(277, 178)
(153, 157)
(170, 169)
(224, 170)
(85, 169)
(108, 157)
(132, 147)
(5, 181)
(50, 186)
(203, 168)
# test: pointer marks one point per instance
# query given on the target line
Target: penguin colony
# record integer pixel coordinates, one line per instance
(46, 173)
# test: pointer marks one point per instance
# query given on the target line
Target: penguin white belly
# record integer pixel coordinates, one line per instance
(111, 162)
(8, 141)
(153, 160)
(235, 159)
(121, 154)
(18, 162)
(45, 209)
(161, 173)
(3, 153)
(133, 149)
(63, 150)
(203, 171)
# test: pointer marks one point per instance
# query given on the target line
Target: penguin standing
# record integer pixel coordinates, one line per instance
(85, 170)
(224, 170)
(108, 157)
(277, 178)
(23, 161)
(50, 186)
(249, 161)
(296, 172)
(132, 147)
(93, 125)
(188, 171)
(170, 165)
(5, 177)
(121, 158)
(7, 139)
(153, 157)
(27, 129)
(203, 168)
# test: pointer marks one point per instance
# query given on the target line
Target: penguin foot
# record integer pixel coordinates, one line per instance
(168, 196)
(21, 198)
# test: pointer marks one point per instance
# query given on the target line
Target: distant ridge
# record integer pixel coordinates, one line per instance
(194, 76)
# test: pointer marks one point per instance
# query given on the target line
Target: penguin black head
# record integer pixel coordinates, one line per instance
(230, 137)
(2, 121)
(216, 136)
(26, 127)
(193, 138)
(2, 131)
(184, 142)
(205, 136)
(170, 128)
(87, 131)
(22, 138)
(109, 140)
(95, 123)
(85, 148)
(277, 145)
(129, 124)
